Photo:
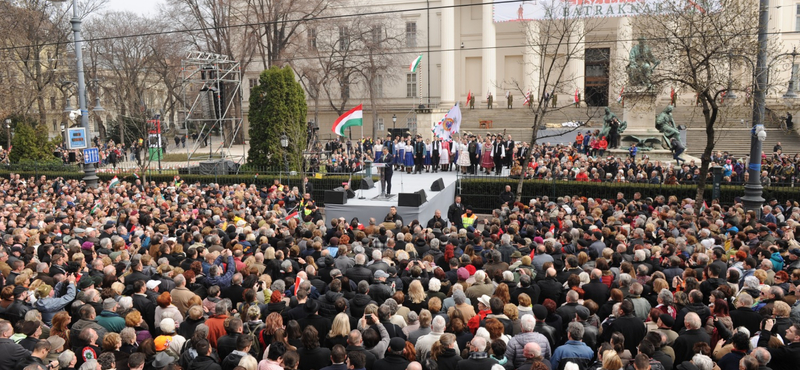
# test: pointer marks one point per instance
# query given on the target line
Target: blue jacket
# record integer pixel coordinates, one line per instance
(777, 261)
(573, 349)
(111, 321)
(223, 281)
(49, 307)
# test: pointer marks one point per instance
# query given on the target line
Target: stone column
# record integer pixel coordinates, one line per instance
(489, 56)
(619, 63)
(533, 62)
(577, 63)
(448, 69)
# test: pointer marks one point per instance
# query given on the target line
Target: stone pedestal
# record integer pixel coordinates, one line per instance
(640, 113)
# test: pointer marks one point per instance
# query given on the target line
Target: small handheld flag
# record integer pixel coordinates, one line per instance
(619, 98)
(114, 182)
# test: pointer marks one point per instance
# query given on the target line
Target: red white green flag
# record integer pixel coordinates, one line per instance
(413, 67)
(353, 117)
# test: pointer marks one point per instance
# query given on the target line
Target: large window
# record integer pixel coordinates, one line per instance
(312, 38)
(797, 18)
(411, 85)
(53, 102)
(344, 38)
(411, 34)
(253, 82)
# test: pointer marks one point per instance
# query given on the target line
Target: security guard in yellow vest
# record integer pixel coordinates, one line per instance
(468, 220)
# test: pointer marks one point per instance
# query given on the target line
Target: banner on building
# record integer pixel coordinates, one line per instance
(532, 10)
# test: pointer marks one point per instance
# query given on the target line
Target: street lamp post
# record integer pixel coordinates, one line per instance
(89, 173)
(8, 133)
(285, 145)
(394, 121)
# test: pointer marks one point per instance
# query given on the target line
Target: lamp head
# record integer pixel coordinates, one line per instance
(73, 115)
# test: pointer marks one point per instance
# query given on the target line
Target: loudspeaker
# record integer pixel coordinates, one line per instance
(437, 185)
(335, 197)
(367, 183)
(415, 199)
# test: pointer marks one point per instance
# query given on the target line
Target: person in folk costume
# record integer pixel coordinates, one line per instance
(428, 161)
(487, 164)
(463, 156)
(409, 156)
(400, 155)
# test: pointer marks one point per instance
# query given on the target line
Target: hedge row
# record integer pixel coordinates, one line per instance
(483, 193)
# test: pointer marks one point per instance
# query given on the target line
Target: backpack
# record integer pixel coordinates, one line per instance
(255, 334)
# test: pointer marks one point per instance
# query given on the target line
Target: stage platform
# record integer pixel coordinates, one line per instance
(374, 206)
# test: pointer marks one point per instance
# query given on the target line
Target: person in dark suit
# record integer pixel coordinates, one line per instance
(596, 290)
(436, 148)
(455, 211)
(387, 172)
(630, 326)
(419, 154)
(498, 155)
(684, 345)
(509, 144)
(308, 187)
(744, 315)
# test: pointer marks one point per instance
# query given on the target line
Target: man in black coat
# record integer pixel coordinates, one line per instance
(419, 154)
(788, 356)
(387, 172)
(359, 272)
(713, 282)
(596, 290)
(695, 305)
(550, 287)
(143, 303)
(355, 343)
(455, 212)
(684, 345)
(525, 286)
(478, 358)
(630, 326)
(393, 360)
(744, 315)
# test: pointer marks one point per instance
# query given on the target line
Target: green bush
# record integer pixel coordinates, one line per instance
(53, 165)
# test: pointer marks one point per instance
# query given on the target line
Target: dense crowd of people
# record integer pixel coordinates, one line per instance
(584, 159)
(197, 276)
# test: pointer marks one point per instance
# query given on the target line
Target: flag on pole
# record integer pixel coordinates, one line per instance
(621, 91)
(413, 67)
(672, 94)
(136, 175)
(451, 124)
(703, 207)
(577, 96)
(114, 182)
(527, 98)
(469, 96)
(353, 117)
(291, 216)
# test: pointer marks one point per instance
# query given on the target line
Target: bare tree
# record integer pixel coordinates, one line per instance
(551, 44)
(218, 27)
(278, 23)
(128, 61)
(695, 45)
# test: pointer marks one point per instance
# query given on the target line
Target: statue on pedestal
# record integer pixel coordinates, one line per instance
(665, 124)
(641, 65)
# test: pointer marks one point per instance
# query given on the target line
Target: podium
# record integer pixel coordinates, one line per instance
(368, 168)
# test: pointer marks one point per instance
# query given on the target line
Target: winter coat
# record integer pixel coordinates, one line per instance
(516, 346)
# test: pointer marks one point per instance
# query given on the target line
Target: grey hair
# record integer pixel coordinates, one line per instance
(286, 264)
(702, 362)
(762, 355)
(575, 330)
(360, 259)
(458, 296)
(434, 284)
(625, 279)
(527, 323)
(438, 324)
(278, 285)
(751, 282)
(223, 307)
(666, 296)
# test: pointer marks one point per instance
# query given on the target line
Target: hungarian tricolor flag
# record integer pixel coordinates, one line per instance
(353, 117)
(577, 96)
(527, 98)
(297, 281)
(469, 97)
(621, 91)
(672, 93)
(114, 182)
(291, 216)
(413, 67)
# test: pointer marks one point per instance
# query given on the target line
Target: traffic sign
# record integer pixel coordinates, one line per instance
(91, 155)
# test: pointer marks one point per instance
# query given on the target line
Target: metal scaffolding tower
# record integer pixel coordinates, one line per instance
(212, 97)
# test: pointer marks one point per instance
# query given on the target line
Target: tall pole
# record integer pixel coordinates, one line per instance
(428, 57)
(89, 175)
(753, 199)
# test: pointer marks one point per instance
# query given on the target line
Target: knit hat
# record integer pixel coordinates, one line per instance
(162, 342)
(462, 273)
(167, 326)
(539, 311)
(43, 291)
(397, 345)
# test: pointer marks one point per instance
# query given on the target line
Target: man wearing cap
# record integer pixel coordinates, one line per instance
(393, 360)
(664, 324)
(17, 310)
(379, 291)
(793, 260)
(48, 304)
(109, 319)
